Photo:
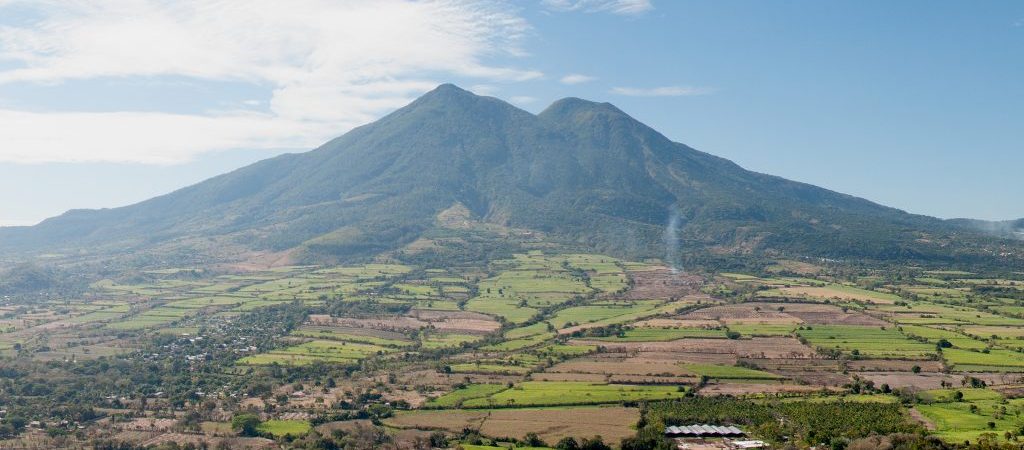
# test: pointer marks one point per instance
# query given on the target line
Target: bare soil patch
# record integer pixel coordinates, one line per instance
(663, 284)
(901, 380)
(893, 365)
(759, 388)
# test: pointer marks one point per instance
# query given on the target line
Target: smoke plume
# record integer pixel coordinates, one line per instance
(671, 237)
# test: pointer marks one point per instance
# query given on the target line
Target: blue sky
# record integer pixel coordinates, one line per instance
(914, 104)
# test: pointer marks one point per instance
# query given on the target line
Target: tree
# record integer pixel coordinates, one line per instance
(567, 443)
(246, 424)
(533, 440)
(438, 440)
(595, 443)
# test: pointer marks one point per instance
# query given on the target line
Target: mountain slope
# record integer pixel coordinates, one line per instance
(580, 171)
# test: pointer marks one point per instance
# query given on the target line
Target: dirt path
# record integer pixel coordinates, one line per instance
(922, 419)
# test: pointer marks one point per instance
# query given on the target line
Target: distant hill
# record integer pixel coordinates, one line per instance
(580, 172)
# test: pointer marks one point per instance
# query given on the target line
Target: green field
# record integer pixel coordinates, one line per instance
(606, 313)
(759, 329)
(866, 341)
(545, 393)
(996, 360)
(285, 427)
(663, 334)
(315, 351)
(958, 421)
(457, 397)
(327, 333)
(728, 372)
(447, 340)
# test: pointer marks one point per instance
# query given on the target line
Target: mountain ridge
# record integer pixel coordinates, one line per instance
(584, 172)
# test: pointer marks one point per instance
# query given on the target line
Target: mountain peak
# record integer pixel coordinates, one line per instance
(448, 93)
(448, 89)
(450, 99)
(575, 109)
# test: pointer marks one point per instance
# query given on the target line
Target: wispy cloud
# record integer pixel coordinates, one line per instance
(330, 66)
(523, 99)
(16, 222)
(663, 91)
(575, 78)
(621, 7)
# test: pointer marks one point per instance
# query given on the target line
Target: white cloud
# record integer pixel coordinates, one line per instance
(522, 99)
(330, 65)
(149, 138)
(621, 7)
(483, 89)
(664, 91)
(575, 78)
(17, 222)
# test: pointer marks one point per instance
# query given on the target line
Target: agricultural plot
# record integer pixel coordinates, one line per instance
(544, 393)
(280, 428)
(762, 330)
(447, 340)
(990, 360)
(151, 319)
(515, 364)
(349, 335)
(875, 342)
(519, 344)
(533, 281)
(316, 351)
(552, 424)
(935, 335)
(602, 314)
(833, 292)
(455, 398)
(663, 334)
(604, 273)
(721, 371)
(936, 314)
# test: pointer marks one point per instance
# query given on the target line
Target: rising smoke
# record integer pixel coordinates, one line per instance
(671, 237)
